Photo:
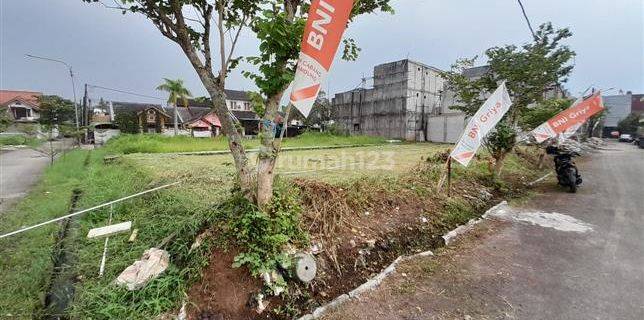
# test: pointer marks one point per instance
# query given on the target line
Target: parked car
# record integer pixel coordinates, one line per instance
(625, 137)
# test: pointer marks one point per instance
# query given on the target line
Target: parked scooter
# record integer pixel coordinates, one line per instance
(567, 172)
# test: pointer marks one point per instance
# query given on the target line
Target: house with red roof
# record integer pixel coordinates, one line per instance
(22, 106)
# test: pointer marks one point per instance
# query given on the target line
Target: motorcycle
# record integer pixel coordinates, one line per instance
(567, 172)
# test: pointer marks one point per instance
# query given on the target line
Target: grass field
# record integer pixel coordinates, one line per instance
(179, 212)
(142, 143)
(205, 181)
(14, 140)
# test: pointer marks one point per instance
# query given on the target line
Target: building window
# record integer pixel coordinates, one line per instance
(356, 127)
(247, 106)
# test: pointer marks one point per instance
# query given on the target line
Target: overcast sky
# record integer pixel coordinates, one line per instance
(126, 52)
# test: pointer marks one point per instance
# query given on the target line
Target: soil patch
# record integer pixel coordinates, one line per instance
(224, 292)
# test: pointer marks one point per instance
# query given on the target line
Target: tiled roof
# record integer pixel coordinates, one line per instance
(239, 114)
(132, 106)
(30, 97)
(237, 95)
(245, 115)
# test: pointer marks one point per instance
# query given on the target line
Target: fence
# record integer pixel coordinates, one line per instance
(86, 210)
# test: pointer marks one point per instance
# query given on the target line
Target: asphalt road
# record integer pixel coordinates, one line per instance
(560, 256)
(20, 170)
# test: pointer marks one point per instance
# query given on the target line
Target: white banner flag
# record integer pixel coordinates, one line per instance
(480, 125)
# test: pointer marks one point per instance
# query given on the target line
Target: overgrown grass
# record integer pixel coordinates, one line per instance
(152, 143)
(25, 259)
(175, 215)
(179, 213)
(15, 140)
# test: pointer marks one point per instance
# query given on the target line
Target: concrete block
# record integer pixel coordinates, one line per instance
(109, 230)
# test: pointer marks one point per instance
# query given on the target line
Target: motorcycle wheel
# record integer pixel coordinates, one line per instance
(572, 180)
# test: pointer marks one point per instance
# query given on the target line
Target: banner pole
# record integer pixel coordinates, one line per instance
(441, 181)
(449, 176)
(285, 122)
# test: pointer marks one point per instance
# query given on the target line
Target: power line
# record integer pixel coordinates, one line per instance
(534, 36)
(125, 92)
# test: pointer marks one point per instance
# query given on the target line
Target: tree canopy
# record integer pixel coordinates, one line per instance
(533, 72)
(629, 124)
(529, 71)
(55, 110)
(176, 90)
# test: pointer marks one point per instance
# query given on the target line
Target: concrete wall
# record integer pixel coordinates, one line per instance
(618, 107)
(446, 128)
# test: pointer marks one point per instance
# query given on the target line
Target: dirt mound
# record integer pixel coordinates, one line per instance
(224, 292)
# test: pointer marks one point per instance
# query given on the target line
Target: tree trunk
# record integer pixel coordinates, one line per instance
(176, 121)
(228, 125)
(269, 150)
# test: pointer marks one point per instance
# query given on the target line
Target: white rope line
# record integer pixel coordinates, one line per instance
(86, 210)
(322, 169)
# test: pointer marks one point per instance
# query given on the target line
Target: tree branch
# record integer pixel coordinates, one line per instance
(222, 43)
(234, 42)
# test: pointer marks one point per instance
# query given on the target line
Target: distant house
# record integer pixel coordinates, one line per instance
(249, 120)
(238, 100)
(154, 120)
(618, 107)
(22, 106)
(637, 104)
(239, 104)
(200, 122)
(197, 120)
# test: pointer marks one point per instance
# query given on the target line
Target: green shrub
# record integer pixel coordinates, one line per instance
(14, 140)
(262, 235)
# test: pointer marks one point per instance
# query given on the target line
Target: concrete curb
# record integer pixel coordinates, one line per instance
(463, 229)
(218, 152)
(539, 180)
(370, 285)
(374, 282)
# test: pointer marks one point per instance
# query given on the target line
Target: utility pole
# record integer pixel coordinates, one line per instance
(84, 117)
(71, 75)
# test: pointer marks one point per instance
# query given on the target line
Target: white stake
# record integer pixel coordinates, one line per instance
(101, 269)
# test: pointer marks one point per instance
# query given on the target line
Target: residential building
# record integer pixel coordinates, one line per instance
(637, 103)
(197, 119)
(238, 100)
(22, 106)
(249, 120)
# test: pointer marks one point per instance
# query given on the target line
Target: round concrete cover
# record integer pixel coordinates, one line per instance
(305, 267)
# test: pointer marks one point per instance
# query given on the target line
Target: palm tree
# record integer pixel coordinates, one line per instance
(177, 92)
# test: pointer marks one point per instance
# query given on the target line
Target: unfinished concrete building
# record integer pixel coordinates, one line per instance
(402, 99)
(409, 101)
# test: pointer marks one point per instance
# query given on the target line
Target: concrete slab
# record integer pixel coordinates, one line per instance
(109, 230)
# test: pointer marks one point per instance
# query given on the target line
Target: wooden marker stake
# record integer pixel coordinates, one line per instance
(449, 176)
